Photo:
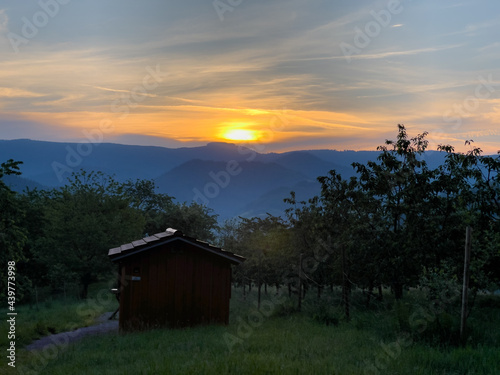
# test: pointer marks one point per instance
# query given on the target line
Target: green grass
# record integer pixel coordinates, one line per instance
(275, 343)
(54, 316)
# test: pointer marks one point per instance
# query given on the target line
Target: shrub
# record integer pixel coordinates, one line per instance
(286, 308)
(322, 311)
(489, 302)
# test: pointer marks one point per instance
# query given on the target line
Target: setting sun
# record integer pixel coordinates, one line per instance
(239, 135)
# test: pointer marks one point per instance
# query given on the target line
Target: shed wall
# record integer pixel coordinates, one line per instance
(179, 285)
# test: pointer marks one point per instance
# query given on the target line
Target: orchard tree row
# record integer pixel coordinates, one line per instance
(63, 235)
(397, 224)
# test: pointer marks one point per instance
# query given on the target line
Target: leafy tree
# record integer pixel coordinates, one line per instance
(264, 243)
(161, 212)
(399, 181)
(156, 208)
(84, 219)
(476, 185)
(312, 238)
(195, 220)
(34, 204)
(13, 235)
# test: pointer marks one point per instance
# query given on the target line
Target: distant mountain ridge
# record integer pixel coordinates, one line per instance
(233, 180)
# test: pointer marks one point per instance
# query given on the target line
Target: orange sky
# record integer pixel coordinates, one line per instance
(177, 75)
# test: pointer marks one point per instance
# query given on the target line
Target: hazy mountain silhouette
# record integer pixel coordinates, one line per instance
(199, 173)
(20, 184)
(209, 182)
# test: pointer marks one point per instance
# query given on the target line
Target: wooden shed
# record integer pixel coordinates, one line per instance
(170, 279)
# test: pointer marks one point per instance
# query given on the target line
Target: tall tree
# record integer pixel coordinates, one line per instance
(84, 219)
(161, 212)
(13, 235)
(400, 182)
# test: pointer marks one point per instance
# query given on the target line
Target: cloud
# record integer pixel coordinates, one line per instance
(8, 92)
(383, 55)
(4, 21)
(264, 56)
(122, 91)
(17, 127)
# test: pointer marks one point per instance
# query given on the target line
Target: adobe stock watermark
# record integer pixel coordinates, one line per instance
(40, 19)
(322, 251)
(484, 90)
(60, 342)
(221, 179)
(224, 6)
(93, 138)
(418, 324)
(253, 320)
(257, 315)
(372, 29)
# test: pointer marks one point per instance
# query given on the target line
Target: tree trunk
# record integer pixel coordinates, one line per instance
(345, 301)
(368, 296)
(258, 295)
(380, 296)
(397, 287)
(85, 282)
(345, 287)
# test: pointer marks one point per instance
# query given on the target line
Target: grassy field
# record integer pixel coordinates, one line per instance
(389, 338)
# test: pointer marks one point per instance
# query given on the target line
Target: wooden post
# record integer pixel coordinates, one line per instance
(300, 283)
(463, 320)
(345, 288)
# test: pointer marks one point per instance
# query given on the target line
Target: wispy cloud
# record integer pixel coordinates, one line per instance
(9, 92)
(4, 21)
(263, 57)
(383, 55)
(122, 91)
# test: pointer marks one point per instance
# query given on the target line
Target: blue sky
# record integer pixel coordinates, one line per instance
(293, 74)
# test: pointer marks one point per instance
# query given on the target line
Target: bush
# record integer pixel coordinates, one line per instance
(489, 302)
(322, 311)
(443, 330)
(286, 308)
(402, 311)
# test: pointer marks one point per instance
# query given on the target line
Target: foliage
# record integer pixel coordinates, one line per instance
(265, 244)
(161, 212)
(13, 235)
(398, 215)
(84, 220)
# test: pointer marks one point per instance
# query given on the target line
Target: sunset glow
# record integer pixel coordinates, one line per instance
(312, 75)
(239, 135)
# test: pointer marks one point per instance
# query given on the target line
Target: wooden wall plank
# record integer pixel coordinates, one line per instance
(170, 288)
(144, 307)
(155, 312)
(180, 284)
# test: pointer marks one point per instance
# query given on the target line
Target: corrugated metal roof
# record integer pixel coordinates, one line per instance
(169, 235)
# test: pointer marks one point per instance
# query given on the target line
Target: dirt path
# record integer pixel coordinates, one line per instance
(64, 338)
